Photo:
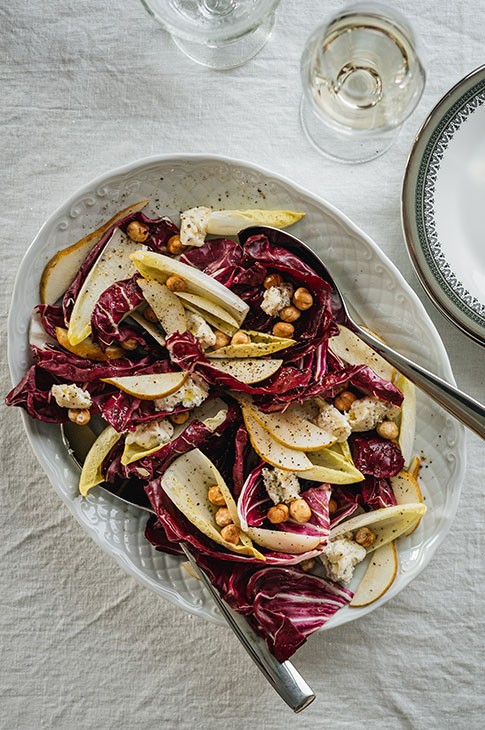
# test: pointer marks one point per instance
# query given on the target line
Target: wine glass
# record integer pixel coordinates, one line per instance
(220, 34)
(361, 79)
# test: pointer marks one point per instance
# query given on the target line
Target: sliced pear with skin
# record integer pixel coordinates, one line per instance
(378, 577)
(87, 348)
(150, 327)
(283, 542)
(211, 312)
(249, 370)
(156, 266)
(91, 473)
(414, 466)
(407, 419)
(350, 348)
(261, 344)
(165, 304)
(230, 222)
(149, 387)
(293, 431)
(331, 466)
(112, 265)
(407, 490)
(186, 482)
(61, 270)
(270, 450)
(388, 523)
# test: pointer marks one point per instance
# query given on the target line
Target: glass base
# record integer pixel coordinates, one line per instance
(353, 147)
(231, 54)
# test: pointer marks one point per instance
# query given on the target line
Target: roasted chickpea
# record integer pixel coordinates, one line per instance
(175, 245)
(302, 299)
(176, 283)
(129, 344)
(344, 401)
(283, 329)
(272, 280)
(278, 513)
(300, 510)
(240, 338)
(307, 565)
(149, 314)
(221, 339)
(81, 416)
(215, 496)
(223, 517)
(137, 231)
(332, 507)
(179, 418)
(289, 314)
(231, 534)
(365, 537)
(388, 430)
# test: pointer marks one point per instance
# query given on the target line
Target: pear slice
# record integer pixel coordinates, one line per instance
(333, 467)
(91, 473)
(230, 222)
(165, 304)
(261, 344)
(272, 451)
(379, 576)
(186, 482)
(407, 419)
(249, 370)
(87, 348)
(60, 271)
(151, 327)
(211, 312)
(293, 431)
(153, 265)
(283, 542)
(414, 466)
(406, 490)
(388, 523)
(149, 387)
(113, 264)
(350, 348)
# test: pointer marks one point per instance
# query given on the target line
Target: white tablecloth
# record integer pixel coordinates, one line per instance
(87, 86)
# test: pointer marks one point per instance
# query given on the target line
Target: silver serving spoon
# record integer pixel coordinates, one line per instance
(461, 406)
(283, 676)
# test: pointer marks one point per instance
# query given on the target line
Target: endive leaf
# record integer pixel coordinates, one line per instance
(91, 473)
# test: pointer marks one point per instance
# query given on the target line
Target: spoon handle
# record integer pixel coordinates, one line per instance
(459, 404)
(283, 676)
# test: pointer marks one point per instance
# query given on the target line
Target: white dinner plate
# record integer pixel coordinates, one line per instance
(373, 285)
(443, 200)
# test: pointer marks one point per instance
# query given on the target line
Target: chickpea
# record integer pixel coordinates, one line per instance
(272, 280)
(175, 245)
(81, 416)
(307, 565)
(215, 496)
(223, 517)
(302, 299)
(240, 338)
(388, 430)
(179, 418)
(129, 344)
(332, 507)
(344, 401)
(289, 314)
(230, 533)
(278, 513)
(176, 283)
(283, 329)
(300, 510)
(149, 314)
(137, 231)
(221, 339)
(365, 537)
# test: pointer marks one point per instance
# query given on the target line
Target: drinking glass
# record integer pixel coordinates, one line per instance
(220, 34)
(361, 79)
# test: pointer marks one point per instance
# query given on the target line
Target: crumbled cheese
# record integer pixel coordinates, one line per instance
(366, 413)
(151, 434)
(282, 486)
(340, 558)
(330, 419)
(201, 330)
(276, 298)
(192, 393)
(71, 396)
(193, 226)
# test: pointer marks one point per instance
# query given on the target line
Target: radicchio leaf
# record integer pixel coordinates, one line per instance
(33, 394)
(377, 493)
(112, 306)
(376, 457)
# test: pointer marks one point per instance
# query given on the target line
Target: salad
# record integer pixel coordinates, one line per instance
(216, 379)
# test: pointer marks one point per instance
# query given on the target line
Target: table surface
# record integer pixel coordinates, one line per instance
(90, 86)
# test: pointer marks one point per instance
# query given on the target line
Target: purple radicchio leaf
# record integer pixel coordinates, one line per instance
(113, 305)
(376, 457)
